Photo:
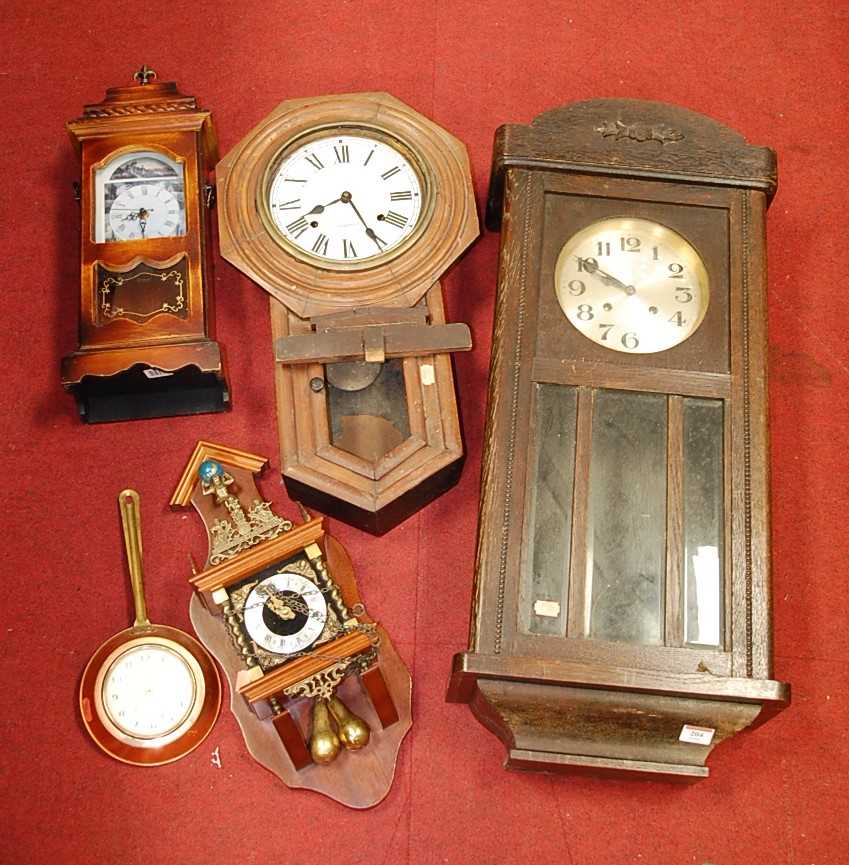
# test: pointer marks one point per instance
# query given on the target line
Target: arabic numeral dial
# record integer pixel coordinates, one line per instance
(632, 285)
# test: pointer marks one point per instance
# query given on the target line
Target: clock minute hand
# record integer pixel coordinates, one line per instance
(346, 197)
(605, 277)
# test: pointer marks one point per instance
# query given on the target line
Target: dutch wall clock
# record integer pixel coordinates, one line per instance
(146, 348)
(347, 210)
(621, 617)
(320, 693)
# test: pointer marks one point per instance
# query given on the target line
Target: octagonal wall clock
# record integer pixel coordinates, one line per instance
(146, 317)
(347, 210)
(621, 618)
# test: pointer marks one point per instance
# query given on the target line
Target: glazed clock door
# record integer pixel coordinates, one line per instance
(625, 519)
(142, 260)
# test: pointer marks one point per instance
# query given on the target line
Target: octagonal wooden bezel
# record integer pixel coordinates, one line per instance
(308, 289)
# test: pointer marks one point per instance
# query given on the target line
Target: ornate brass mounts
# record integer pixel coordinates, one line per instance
(294, 633)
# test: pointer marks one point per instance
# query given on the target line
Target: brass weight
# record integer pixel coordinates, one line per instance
(324, 743)
(353, 730)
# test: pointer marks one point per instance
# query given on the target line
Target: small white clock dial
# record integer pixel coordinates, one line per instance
(149, 691)
(139, 196)
(285, 613)
(632, 285)
(345, 198)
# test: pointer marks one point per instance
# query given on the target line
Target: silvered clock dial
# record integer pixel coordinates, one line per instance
(350, 196)
(632, 285)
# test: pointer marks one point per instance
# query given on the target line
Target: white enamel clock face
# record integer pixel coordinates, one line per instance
(139, 196)
(632, 285)
(345, 198)
(285, 613)
(150, 692)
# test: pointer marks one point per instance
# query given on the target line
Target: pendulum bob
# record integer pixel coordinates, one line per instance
(354, 733)
(324, 743)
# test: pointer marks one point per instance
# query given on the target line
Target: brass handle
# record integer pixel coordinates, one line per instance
(128, 503)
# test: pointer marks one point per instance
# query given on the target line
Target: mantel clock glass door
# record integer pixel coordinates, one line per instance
(622, 604)
(145, 301)
(347, 210)
(139, 195)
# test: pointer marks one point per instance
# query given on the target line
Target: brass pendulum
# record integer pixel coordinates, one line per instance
(324, 743)
(353, 730)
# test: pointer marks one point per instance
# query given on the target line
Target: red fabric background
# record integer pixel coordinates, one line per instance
(776, 71)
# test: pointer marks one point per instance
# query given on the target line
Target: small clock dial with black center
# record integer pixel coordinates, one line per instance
(285, 613)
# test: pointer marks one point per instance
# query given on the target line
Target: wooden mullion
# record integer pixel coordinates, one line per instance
(674, 613)
(577, 624)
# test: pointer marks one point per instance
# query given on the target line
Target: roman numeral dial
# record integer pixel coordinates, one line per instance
(347, 197)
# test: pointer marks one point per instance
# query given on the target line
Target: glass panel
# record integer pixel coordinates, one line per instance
(626, 520)
(139, 195)
(703, 521)
(367, 407)
(546, 566)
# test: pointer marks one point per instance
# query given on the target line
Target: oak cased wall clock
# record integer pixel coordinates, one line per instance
(621, 614)
(145, 293)
(347, 210)
(318, 689)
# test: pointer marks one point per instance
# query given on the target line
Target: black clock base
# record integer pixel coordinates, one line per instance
(133, 395)
(381, 520)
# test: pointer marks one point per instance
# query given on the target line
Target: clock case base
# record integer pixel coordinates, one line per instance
(561, 716)
(114, 386)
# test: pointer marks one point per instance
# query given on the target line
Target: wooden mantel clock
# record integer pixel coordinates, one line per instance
(146, 292)
(319, 691)
(347, 210)
(621, 616)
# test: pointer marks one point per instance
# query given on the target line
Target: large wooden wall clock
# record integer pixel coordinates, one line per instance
(145, 292)
(621, 616)
(347, 210)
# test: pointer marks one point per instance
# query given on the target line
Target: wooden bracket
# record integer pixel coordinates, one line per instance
(372, 335)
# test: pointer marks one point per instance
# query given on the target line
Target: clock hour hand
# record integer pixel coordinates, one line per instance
(605, 277)
(320, 208)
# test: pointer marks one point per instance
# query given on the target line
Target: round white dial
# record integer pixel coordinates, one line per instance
(345, 198)
(149, 691)
(139, 195)
(144, 211)
(285, 613)
(632, 285)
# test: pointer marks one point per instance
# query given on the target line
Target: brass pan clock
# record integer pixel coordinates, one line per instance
(347, 210)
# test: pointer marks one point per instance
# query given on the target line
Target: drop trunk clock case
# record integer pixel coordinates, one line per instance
(321, 696)
(145, 296)
(621, 615)
(347, 210)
